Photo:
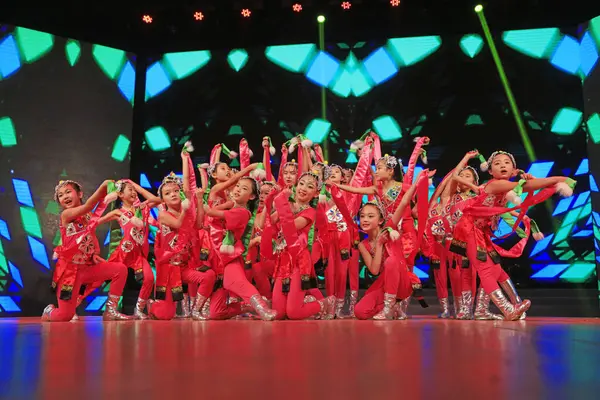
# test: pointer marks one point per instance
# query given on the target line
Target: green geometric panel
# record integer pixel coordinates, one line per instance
(120, 148)
(237, 59)
(408, 51)
(474, 119)
(595, 29)
(52, 208)
(109, 60)
(562, 234)
(158, 138)
(360, 84)
(571, 217)
(235, 130)
(57, 239)
(8, 136)
(471, 45)
(342, 85)
(351, 159)
(73, 50)
(387, 128)
(593, 124)
(33, 44)
(31, 222)
(535, 43)
(182, 65)
(3, 265)
(566, 121)
(317, 130)
(579, 272)
(294, 57)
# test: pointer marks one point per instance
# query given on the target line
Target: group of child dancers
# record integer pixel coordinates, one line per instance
(243, 242)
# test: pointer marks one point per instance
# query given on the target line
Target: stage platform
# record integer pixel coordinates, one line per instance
(421, 358)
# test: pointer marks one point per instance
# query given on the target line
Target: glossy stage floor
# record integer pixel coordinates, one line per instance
(541, 358)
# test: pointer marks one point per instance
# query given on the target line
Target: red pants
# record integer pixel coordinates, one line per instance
(371, 303)
(489, 272)
(353, 269)
(262, 271)
(393, 280)
(235, 281)
(114, 272)
(199, 282)
(441, 281)
(219, 309)
(145, 291)
(292, 304)
(164, 309)
(336, 274)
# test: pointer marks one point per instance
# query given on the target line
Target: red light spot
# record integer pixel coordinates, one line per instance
(297, 7)
(198, 16)
(395, 3)
(346, 5)
(147, 19)
(246, 13)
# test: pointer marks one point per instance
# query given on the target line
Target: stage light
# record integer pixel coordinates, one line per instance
(147, 19)
(321, 19)
(246, 13)
(198, 16)
(395, 3)
(478, 8)
(297, 7)
(346, 5)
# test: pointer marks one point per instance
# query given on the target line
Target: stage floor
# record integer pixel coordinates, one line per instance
(541, 358)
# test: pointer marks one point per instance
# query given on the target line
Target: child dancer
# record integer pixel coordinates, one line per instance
(78, 263)
(132, 250)
(473, 232)
(384, 258)
(234, 222)
(294, 273)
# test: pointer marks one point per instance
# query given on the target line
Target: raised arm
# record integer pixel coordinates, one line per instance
(167, 219)
(70, 214)
(407, 198)
(199, 208)
(358, 190)
(111, 216)
(219, 187)
(145, 193)
(463, 163)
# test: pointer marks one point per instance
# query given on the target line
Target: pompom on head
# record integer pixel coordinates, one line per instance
(563, 189)
(514, 198)
(109, 198)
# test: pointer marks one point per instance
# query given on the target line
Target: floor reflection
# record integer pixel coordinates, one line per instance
(419, 358)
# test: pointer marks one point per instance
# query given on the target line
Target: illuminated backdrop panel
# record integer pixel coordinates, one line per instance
(65, 113)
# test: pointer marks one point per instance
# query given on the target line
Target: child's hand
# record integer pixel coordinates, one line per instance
(527, 176)
(199, 193)
(473, 154)
(266, 143)
(383, 237)
(98, 260)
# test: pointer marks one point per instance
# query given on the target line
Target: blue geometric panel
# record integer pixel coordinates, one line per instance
(323, 69)
(107, 239)
(562, 206)
(127, 81)
(8, 304)
(380, 66)
(582, 198)
(23, 192)
(588, 54)
(550, 271)
(4, 229)
(38, 251)
(566, 56)
(14, 271)
(144, 182)
(593, 184)
(584, 233)
(420, 273)
(97, 303)
(9, 57)
(157, 80)
(541, 245)
(584, 167)
(541, 169)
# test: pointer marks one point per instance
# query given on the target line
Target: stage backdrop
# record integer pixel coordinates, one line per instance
(65, 113)
(446, 88)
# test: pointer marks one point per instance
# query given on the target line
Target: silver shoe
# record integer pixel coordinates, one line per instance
(445, 306)
(401, 311)
(111, 312)
(327, 308)
(482, 308)
(389, 311)
(309, 299)
(47, 312)
(353, 301)
(261, 308)
(138, 311)
(511, 312)
(457, 305)
(185, 307)
(339, 307)
(509, 288)
(466, 309)
(197, 307)
(75, 318)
